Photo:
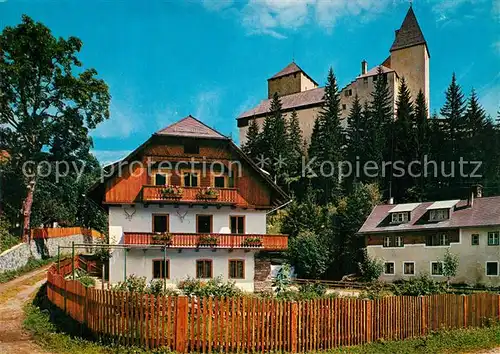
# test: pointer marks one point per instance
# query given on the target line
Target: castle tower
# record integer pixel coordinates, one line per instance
(292, 79)
(410, 56)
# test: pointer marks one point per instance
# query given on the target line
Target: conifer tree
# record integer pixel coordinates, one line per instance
(379, 123)
(355, 144)
(252, 144)
(274, 141)
(295, 145)
(403, 149)
(327, 148)
(421, 142)
(453, 111)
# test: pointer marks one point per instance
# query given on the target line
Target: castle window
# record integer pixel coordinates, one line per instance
(346, 93)
(344, 107)
(350, 92)
(365, 80)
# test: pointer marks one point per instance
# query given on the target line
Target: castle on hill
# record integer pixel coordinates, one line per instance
(408, 57)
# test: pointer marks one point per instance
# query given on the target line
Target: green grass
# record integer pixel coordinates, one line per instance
(47, 335)
(28, 267)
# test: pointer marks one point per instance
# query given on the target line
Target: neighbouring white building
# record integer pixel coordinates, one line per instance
(413, 238)
(189, 203)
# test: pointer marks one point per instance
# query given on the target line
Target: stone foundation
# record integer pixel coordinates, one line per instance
(262, 276)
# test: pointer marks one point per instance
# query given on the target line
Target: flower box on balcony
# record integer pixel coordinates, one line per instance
(162, 239)
(170, 192)
(208, 193)
(252, 242)
(207, 241)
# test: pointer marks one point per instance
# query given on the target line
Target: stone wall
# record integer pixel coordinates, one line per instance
(18, 255)
(262, 275)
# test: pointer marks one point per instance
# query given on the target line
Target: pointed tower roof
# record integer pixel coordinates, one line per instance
(409, 34)
(190, 127)
(291, 69)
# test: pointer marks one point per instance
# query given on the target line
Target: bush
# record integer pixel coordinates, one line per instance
(421, 285)
(376, 290)
(214, 287)
(6, 239)
(371, 268)
(133, 283)
(282, 280)
(312, 291)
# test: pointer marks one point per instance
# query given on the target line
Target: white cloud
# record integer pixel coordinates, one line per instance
(122, 123)
(273, 17)
(447, 11)
(496, 47)
(106, 157)
(489, 96)
(206, 105)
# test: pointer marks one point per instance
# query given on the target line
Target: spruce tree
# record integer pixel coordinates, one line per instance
(274, 141)
(252, 144)
(421, 142)
(355, 144)
(476, 132)
(327, 148)
(403, 136)
(295, 146)
(379, 124)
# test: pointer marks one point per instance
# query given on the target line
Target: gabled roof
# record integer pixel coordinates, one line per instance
(484, 212)
(409, 34)
(288, 102)
(190, 127)
(374, 71)
(291, 69)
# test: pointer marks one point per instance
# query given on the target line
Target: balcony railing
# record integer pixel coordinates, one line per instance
(191, 195)
(191, 240)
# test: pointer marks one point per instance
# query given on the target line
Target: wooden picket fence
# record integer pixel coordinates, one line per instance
(248, 324)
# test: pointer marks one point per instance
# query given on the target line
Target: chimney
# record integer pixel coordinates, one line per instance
(396, 33)
(364, 67)
(390, 201)
(476, 191)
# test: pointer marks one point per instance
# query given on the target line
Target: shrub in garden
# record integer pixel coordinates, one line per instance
(420, 285)
(133, 283)
(312, 291)
(371, 268)
(214, 287)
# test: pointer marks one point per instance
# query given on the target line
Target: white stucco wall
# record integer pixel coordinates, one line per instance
(472, 259)
(141, 221)
(182, 265)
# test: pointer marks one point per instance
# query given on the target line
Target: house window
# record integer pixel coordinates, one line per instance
(439, 239)
(204, 268)
(160, 223)
(190, 179)
(344, 107)
(492, 269)
(439, 214)
(160, 179)
(191, 148)
(204, 224)
(493, 238)
(409, 268)
(220, 181)
(475, 239)
(389, 268)
(394, 241)
(437, 268)
(400, 218)
(161, 269)
(237, 224)
(236, 269)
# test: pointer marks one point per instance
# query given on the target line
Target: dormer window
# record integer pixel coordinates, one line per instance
(439, 214)
(400, 218)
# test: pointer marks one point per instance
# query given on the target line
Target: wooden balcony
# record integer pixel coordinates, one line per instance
(191, 195)
(192, 240)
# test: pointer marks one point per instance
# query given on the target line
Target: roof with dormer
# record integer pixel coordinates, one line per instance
(190, 127)
(484, 212)
(409, 34)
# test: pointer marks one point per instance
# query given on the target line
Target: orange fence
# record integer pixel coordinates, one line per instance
(64, 232)
(249, 324)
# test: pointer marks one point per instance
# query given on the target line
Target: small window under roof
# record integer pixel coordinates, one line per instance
(404, 207)
(445, 204)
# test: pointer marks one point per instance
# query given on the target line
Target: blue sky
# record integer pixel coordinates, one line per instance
(211, 59)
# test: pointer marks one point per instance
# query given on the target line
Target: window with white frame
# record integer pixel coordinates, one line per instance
(389, 268)
(394, 241)
(494, 238)
(388, 241)
(437, 268)
(439, 214)
(439, 239)
(399, 241)
(400, 218)
(492, 269)
(409, 268)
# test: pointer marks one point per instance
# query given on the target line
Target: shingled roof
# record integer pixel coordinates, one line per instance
(290, 69)
(484, 212)
(191, 127)
(288, 102)
(409, 34)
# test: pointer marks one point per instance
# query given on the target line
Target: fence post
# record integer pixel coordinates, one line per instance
(65, 293)
(466, 307)
(293, 327)
(369, 321)
(182, 324)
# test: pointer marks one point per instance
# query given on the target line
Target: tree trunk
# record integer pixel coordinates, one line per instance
(27, 203)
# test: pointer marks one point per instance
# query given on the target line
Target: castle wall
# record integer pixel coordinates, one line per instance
(413, 64)
(285, 85)
(306, 83)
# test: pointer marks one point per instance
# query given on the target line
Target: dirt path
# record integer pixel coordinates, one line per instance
(13, 297)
